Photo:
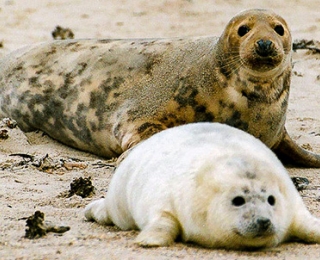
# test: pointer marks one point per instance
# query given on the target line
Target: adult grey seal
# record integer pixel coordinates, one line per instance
(105, 96)
(210, 184)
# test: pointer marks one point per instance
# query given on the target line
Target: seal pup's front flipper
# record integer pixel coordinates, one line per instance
(305, 227)
(161, 231)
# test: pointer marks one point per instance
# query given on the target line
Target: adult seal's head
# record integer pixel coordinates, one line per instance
(257, 40)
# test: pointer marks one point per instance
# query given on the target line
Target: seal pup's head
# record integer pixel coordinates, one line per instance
(247, 200)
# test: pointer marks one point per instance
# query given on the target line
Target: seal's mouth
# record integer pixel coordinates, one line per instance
(264, 63)
(262, 228)
(261, 235)
(260, 63)
(257, 241)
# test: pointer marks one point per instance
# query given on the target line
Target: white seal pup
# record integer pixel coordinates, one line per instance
(207, 183)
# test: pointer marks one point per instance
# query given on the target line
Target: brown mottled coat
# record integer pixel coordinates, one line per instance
(105, 96)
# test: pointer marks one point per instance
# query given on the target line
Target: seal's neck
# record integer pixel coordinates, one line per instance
(263, 89)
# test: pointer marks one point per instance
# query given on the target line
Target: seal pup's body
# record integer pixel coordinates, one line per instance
(210, 184)
(105, 96)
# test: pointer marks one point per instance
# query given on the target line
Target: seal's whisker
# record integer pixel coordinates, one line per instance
(230, 62)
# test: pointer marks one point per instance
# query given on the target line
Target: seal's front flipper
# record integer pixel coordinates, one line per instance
(290, 152)
(162, 231)
(305, 228)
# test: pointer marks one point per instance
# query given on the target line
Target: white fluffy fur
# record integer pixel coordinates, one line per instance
(183, 181)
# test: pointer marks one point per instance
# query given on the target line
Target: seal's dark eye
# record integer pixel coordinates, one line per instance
(238, 201)
(243, 30)
(271, 200)
(279, 30)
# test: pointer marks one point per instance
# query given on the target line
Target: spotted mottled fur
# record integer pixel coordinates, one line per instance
(105, 96)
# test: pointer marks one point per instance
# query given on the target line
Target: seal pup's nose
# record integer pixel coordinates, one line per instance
(264, 224)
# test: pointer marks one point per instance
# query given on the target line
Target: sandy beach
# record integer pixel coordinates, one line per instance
(25, 187)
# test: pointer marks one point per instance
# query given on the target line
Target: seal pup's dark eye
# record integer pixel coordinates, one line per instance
(279, 30)
(243, 30)
(238, 201)
(271, 200)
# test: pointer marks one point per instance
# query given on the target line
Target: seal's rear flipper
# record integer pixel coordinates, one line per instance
(97, 211)
(290, 152)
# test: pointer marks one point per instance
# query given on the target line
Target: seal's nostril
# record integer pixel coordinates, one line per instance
(268, 44)
(264, 44)
(260, 43)
(264, 47)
